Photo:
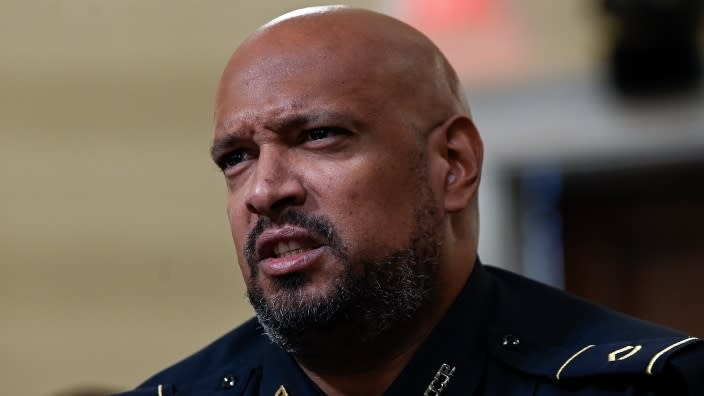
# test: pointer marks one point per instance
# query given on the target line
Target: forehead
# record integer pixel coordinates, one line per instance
(275, 76)
(273, 102)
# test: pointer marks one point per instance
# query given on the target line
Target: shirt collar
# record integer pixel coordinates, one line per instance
(459, 341)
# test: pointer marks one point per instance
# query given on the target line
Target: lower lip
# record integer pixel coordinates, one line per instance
(277, 266)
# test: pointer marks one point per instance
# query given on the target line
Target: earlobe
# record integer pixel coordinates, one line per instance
(464, 158)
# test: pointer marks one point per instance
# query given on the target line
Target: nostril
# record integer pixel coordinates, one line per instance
(283, 203)
(252, 208)
(271, 210)
(269, 198)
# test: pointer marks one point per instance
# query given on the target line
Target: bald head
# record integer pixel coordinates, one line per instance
(355, 43)
(352, 167)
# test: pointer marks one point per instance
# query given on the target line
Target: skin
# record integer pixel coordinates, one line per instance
(331, 111)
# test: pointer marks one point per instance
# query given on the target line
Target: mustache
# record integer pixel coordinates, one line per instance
(320, 226)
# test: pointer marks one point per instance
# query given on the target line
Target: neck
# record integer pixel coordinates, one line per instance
(363, 380)
(367, 370)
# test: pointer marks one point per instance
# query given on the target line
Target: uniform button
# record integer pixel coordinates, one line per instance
(229, 381)
(510, 342)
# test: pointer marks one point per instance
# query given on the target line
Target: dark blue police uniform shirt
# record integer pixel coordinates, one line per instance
(503, 335)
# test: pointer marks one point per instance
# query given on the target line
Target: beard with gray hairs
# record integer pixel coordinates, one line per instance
(361, 305)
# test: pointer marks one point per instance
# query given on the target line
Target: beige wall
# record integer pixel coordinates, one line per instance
(115, 258)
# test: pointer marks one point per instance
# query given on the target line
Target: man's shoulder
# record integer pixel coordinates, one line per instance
(233, 352)
(541, 332)
(550, 315)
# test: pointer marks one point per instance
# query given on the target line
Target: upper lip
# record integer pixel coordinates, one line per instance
(269, 240)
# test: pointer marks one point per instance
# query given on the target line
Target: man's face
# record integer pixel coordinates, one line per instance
(328, 196)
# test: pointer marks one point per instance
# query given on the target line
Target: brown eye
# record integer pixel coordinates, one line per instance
(318, 133)
(233, 158)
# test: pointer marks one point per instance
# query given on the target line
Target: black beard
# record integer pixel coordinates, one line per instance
(360, 307)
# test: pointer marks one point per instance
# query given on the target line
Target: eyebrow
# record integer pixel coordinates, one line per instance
(222, 145)
(292, 122)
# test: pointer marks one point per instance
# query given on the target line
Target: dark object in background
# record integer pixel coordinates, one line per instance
(632, 240)
(655, 45)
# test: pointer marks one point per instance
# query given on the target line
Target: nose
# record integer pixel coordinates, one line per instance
(274, 185)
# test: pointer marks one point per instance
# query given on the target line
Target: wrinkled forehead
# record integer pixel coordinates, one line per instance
(354, 56)
(275, 77)
(268, 82)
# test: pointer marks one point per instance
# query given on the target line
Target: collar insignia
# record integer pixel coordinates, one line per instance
(440, 381)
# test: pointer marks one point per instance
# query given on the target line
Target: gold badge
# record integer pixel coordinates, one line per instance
(281, 391)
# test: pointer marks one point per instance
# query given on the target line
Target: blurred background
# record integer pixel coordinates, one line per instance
(115, 255)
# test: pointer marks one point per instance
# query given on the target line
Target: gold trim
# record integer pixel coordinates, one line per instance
(570, 359)
(649, 369)
(281, 391)
(159, 390)
(633, 350)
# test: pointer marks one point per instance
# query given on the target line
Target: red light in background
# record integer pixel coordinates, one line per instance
(448, 14)
(483, 39)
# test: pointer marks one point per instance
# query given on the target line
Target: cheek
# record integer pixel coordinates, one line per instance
(375, 206)
(238, 229)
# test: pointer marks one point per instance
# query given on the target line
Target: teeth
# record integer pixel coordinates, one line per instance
(287, 248)
(292, 252)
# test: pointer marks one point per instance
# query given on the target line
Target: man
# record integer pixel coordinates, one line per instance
(352, 166)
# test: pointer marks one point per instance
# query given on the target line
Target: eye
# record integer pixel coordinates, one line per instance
(328, 134)
(232, 159)
(318, 133)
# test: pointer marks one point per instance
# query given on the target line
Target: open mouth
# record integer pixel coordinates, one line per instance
(285, 242)
(291, 248)
(287, 251)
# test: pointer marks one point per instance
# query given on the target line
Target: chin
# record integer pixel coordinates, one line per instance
(292, 291)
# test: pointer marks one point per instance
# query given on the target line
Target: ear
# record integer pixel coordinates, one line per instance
(457, 153)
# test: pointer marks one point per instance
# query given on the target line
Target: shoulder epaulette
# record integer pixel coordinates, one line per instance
(629, 357)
